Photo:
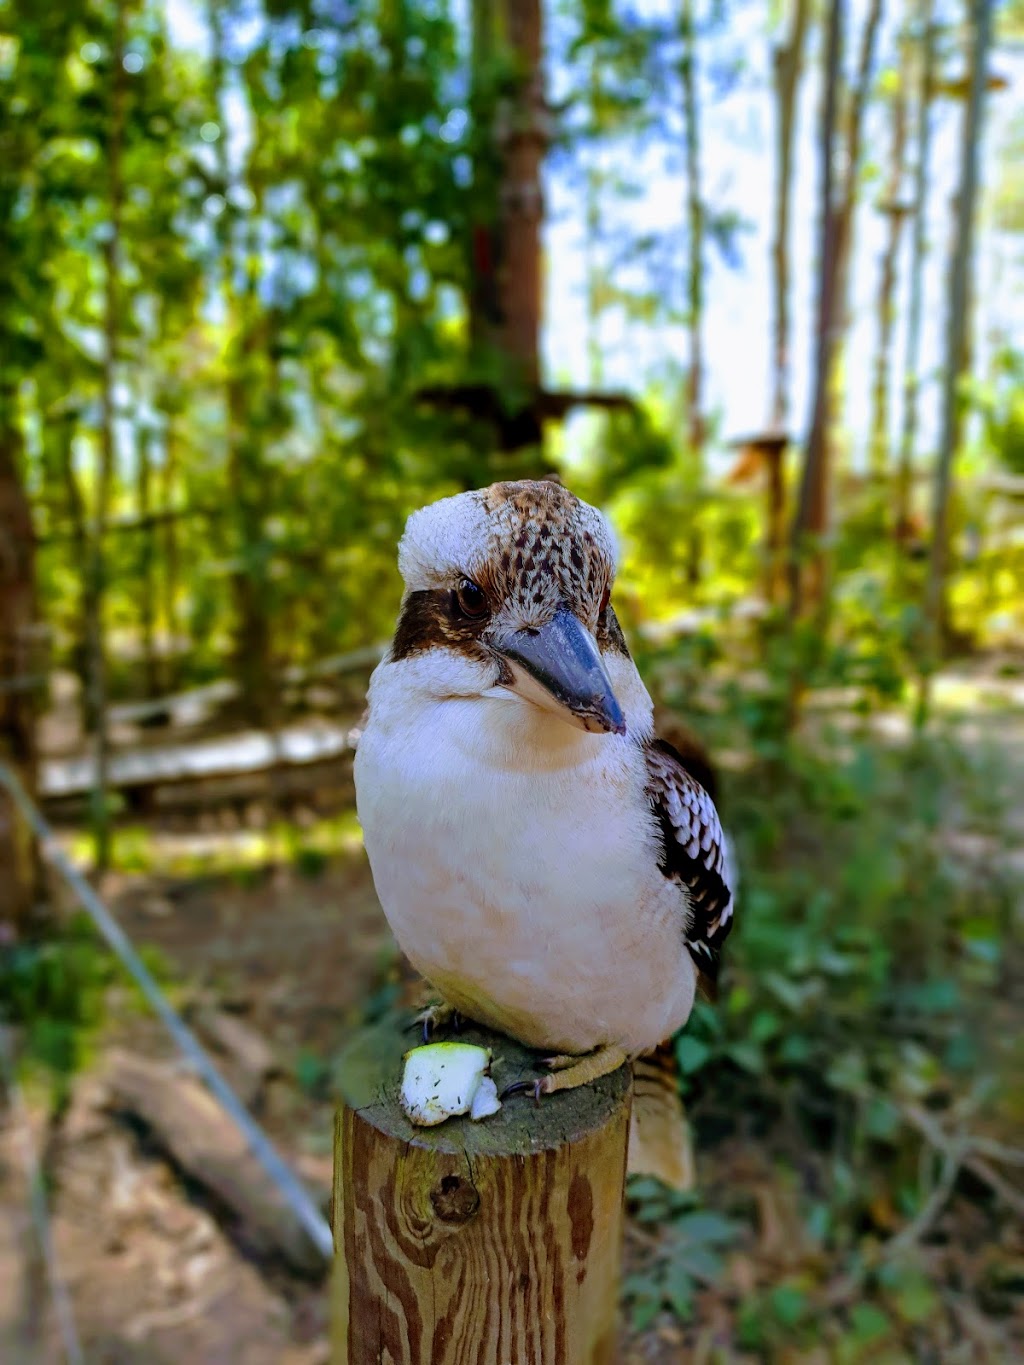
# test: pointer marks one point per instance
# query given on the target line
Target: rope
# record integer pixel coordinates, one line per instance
(37, 1204)
(290, 1187)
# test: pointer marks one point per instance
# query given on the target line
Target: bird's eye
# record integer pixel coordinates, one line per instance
(471, 599)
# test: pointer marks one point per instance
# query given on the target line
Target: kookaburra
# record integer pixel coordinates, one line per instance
(551, 867)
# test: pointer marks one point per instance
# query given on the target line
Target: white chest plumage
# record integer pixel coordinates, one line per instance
(516, 860)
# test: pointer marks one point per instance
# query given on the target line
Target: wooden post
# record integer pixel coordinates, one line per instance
(496, 1242)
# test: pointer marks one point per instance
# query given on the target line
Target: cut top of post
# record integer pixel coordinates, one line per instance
(369, 1076)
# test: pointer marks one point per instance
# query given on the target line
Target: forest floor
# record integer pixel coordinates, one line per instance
(296, 949)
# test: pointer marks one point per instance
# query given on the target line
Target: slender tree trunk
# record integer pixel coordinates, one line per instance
(695, 273)
(810, 513)
(74, 507)
(97, 575)
(595, 366)
(246, 476)
(848, 195)
(919, 249)
(788, 59)
(171, 568)
(837, 223)
(484, 306)
(980, 12)
(521, 203)
(19, 868)
(887, 284)
(510, 134)
(245, 401)
(147, 583)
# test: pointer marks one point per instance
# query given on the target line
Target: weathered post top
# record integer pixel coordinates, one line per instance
(496, 1242)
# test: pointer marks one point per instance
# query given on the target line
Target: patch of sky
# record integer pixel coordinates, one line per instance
(419, 284)
(454, 127)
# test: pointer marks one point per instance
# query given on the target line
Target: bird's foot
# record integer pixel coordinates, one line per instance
(566, 1072)
(435, 1018)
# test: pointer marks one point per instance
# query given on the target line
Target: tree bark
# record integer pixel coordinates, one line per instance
(171, 568)
(19, 879)
(954, 367)
(244, 401)
(97, 570)
(695, 273)
(511, 135)
(810, 513)
(919, 249)
(787, 76)
(887, 285)
(74, 506)
(811, 520)
(147, 559)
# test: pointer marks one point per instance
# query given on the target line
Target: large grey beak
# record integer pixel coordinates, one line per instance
(559, 667)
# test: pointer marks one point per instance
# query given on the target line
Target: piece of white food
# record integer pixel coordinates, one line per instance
(442, 1079)
(485, 1101)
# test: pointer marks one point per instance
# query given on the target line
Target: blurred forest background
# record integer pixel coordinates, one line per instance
(749, 274)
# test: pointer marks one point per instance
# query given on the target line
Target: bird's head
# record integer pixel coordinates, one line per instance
(507, 597)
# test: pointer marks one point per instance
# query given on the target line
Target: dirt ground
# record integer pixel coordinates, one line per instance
(154, 1272)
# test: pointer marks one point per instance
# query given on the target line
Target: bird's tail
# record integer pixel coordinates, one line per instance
(660, 1143)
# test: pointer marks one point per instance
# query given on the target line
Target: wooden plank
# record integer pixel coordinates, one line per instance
(250, 751)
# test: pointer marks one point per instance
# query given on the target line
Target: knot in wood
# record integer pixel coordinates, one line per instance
(455, 1199)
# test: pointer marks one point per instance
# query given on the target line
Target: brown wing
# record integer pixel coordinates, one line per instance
(694, 853)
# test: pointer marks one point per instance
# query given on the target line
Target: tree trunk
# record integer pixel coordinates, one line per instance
(837, 221)
(912, 360)
(244, 399)
(521, 205)
(147, 559)
(171, 573)
(887, 284)
(252, 663)
(695, 275)
(954, 366)
(97, 571)
(19, 665)
(787, 75)
(74, 505)
(592, 220)
(810, 513)
(505, 254)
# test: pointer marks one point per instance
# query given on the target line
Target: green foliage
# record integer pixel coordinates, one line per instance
(687, 1255)
(53, 990)
(312, 1073)
(1001, 403)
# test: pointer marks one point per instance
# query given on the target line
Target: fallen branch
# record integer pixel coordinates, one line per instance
(189, 1125)
(961, 1151)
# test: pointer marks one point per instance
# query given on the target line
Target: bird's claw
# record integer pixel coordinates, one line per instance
(436, 1017)
(535, 1087)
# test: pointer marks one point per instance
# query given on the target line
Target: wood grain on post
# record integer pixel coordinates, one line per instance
(496, 1243)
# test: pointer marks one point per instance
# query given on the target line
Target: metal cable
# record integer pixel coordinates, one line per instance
(291, 1188)
(37, 1205)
